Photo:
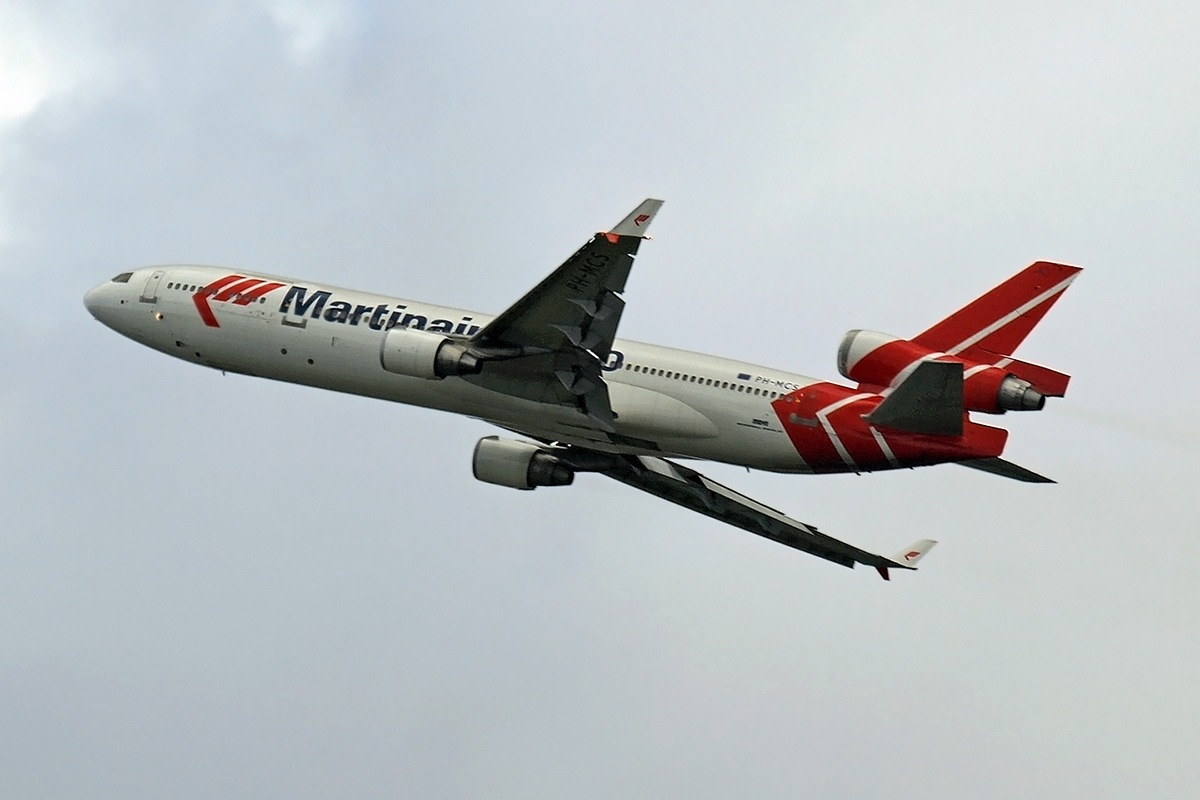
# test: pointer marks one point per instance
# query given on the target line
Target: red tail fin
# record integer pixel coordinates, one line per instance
(1001, 319)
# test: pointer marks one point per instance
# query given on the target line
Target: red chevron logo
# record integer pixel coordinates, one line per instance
(241, 290)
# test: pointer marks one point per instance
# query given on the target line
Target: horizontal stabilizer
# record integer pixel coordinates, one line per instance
(1005, 469)
(930, 400)
(639, 219)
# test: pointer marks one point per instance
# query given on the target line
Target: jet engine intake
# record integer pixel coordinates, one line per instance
(518, 465)
(856, 345)
(425, 354)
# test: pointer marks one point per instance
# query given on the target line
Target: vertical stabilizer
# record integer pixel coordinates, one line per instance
(1001, 319)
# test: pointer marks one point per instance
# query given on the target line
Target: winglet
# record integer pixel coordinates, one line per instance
(638, 220)
(906, 558)
(909, 556)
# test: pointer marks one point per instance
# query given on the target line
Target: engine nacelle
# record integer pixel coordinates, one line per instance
(425, 354)
(518, 465)
(881, 359)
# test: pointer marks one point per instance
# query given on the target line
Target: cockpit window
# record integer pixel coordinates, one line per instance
(123, 277)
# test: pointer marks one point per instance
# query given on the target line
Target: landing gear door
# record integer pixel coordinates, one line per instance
(150, 293)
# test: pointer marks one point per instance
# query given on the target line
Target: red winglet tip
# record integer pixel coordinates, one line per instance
(883, 573)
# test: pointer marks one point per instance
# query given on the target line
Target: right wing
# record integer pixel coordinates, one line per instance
(549, 345)
(690, 489)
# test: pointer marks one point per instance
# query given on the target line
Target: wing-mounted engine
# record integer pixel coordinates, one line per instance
(518, 465)
(426, 354)
(993, 384)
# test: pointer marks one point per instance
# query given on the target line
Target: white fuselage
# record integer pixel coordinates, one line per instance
(667, 401)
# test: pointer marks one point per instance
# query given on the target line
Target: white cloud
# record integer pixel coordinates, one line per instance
(26, 71)
(308, 25)
(35, 66)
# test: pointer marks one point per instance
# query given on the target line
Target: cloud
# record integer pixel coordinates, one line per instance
(218, 585)
(309, 25)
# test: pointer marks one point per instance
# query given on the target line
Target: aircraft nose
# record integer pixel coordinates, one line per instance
(92, 300)
(103, 302)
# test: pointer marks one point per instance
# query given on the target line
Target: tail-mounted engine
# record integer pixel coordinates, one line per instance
(881, 360)
(425, 354)
(518, 465)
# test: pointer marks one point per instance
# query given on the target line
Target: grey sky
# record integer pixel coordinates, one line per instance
(223, 587)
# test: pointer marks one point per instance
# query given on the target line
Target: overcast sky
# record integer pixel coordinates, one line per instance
(224, 587)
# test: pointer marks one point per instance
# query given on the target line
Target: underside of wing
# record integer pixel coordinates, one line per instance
(551, 344)
(690, 489)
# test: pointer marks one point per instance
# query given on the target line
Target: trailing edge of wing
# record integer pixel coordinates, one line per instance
(690, 489)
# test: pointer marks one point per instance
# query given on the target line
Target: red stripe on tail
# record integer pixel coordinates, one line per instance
(1001, 319)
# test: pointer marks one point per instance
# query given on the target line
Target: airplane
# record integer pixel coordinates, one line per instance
(551, 370)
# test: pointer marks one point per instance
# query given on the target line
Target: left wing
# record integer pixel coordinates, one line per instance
(690, 489)
(549, 345)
